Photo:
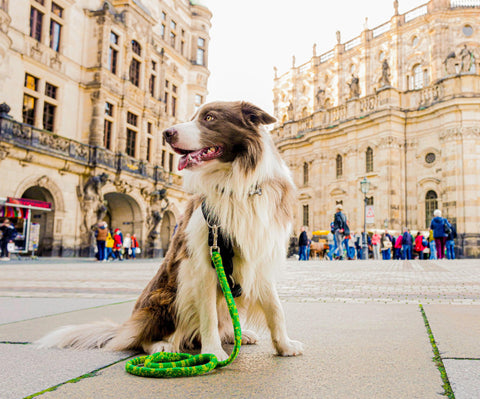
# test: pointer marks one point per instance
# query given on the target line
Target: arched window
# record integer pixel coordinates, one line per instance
(305, 174)
(369, 160)
(431, 204)
(339, 166)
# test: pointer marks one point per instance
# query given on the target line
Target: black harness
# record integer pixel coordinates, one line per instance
(217, 241)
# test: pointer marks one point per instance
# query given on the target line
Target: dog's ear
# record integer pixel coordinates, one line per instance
(255, 115)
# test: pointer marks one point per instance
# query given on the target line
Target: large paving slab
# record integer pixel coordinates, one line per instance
(352, 351)
(26, 370)
(464, 377)
(456, 329)
(31, 330)
(17, 309)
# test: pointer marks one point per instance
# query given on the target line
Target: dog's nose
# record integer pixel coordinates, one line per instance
(169, 134)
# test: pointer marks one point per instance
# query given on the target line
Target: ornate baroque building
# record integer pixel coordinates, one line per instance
(87, 87)
(400, 105)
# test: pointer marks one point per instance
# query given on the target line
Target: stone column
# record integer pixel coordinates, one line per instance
(96, 124)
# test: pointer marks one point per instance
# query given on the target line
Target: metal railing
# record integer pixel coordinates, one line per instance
(29, 137)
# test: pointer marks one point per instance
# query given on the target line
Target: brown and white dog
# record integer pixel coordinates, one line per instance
(232, 164)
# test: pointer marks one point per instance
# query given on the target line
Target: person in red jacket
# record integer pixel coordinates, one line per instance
(117, 244)
(419, 245)
(398, 247)
(134, 245)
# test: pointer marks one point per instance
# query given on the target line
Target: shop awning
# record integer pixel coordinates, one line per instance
(17, 204)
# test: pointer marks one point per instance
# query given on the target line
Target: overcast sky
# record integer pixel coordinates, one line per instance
(250, 37)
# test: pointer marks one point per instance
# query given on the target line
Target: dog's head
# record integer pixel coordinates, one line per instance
(220, 132)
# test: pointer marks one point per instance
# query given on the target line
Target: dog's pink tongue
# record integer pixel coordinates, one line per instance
(182, 162)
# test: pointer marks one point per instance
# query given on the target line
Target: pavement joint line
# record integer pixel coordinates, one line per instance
(90, 374)
(461, 358)
(69, 311)
(437, 359)
(15, 343)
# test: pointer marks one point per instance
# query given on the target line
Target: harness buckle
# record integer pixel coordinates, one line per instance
(214, 247)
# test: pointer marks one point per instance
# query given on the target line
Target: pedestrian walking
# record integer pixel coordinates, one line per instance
(407, 241)
(387, 244)
(358, 245)
(340, 229)
(398, 247)
(118, 244)
(431, 245)
(127, 246)
(101, 234)
(134, 246)
(302, 244)
(376, 238)
(331, 244)
(8, 238)
(441, 228)
(450, 243)
(419, 247)
(109, 246)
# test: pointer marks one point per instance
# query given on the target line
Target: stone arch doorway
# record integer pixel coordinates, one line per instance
(166, 230)
(44, 219)
(124, 213)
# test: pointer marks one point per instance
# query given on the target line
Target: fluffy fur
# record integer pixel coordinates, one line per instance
(228, 156)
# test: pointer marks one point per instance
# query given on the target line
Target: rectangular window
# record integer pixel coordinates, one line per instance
(107, 134)
(151, 85)
(108, 109)
(149, 128)
(29, 107)
(149, 147)
(162, 31)
(112, 60)
(200, 56)
(50, 90)
(31, 82)
(55, 30)
(164, 16)
(305, 215)
(49, 116)
(170, 162)
(131, 141)
(369, 200)
(173, 25)
(154, 66)
(198, 101)
(166, 102)
(174, 106)
(173, 36)
(36, 21)
(132, 119)
(42, 2)
(135, 72)
(163, 158)
(113, 38)
(57, 10)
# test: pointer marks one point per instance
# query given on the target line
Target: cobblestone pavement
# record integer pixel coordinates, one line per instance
(426, 282)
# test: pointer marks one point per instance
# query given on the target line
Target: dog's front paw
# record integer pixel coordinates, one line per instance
(159, 346)
(218, 352)
(290, 348)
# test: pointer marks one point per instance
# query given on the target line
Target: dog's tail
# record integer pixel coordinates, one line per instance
(84, 336)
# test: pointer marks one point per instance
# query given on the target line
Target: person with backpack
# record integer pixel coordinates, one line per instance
(407, 241)
(8, 236)
(441, 228)
(340, 229)
(450, 243)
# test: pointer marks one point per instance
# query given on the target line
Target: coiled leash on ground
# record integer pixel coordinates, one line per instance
(165, 364)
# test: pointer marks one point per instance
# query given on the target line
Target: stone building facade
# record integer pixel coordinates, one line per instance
(400, 105)
(87, 87)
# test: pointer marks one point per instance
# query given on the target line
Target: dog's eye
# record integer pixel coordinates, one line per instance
(209, 118)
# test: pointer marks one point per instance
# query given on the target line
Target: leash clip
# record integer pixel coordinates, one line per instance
(214, 247)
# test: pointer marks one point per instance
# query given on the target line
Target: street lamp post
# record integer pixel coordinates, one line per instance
(364, 187)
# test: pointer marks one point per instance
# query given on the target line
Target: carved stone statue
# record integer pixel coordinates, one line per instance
(450, 63)
(93, 187)
(385, 78)
(290, 111)
(467, 59)
(320, 98)
(354, 87)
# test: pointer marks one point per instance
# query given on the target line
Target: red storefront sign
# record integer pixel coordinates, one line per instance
(25, 202)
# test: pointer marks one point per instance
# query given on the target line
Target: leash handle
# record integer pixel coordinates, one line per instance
(169, 365)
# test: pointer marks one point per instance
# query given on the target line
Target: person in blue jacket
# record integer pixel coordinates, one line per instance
(441, 228)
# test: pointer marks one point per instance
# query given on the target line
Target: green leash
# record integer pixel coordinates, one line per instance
(165, 364)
